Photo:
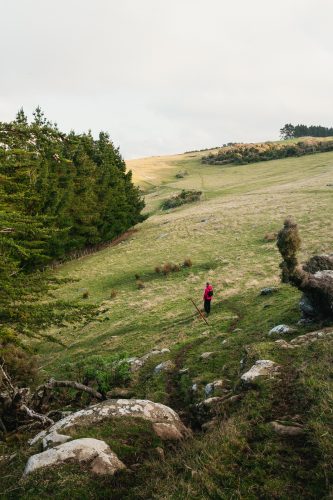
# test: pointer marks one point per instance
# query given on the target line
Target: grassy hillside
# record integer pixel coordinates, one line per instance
(224, 236)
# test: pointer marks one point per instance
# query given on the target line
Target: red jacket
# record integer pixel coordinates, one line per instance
(207, 289)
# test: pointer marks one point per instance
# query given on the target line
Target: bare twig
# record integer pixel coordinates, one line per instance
(70, 383)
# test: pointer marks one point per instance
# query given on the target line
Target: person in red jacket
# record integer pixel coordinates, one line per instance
(207, 297)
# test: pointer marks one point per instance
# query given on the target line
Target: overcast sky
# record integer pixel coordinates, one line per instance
(166, 76)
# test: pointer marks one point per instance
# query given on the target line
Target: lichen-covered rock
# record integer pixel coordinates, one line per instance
(113, 408)
(262, 368)
(218, 387)
(54, 439)
(92, 452)
(281, 330)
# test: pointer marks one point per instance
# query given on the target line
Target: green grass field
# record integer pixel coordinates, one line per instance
(224, 236)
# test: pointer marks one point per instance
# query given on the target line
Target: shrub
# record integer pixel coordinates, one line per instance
(166, 268)
(137, 276)
(187, 263)
(106, 372)
(85, 294)
(113, 294)
(242, 154)
(175, 268)
(158, 269)
(186, 196)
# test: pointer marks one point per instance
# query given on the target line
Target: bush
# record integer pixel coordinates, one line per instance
(158, 269)
(187, 263)
(242, 154)
(85, 294)
(186, 196)
(106, 372)
(113, 294)
(137, 276)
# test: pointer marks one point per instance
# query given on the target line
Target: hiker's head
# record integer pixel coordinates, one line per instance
(207, 284)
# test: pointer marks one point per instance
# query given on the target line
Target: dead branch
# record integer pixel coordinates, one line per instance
(52, 383)
(37, 416)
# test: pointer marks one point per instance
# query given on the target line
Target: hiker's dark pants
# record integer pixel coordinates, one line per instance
(207, 306)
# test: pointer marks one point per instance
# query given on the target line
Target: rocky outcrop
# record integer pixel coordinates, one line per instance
(262, 368)
(92, 452)
(314, 279)
(113, 408)
(218, 387)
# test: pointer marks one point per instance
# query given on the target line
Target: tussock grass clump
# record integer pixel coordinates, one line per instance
(137, 276)
(186, 196)
(187, 263)
(85, 294)
(158, 269)
(113, 294)
(140, 285)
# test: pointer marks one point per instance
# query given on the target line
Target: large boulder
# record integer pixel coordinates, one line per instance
(92, 452)
(262, 368)
(113, 408)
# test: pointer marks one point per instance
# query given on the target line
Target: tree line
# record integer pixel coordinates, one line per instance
(289, 131)
(58, 192)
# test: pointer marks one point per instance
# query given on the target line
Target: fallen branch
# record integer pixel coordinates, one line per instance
(70, 383)
(37, 416)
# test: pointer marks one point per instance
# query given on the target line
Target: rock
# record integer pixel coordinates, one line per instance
(262, 368)
(92, 452)
(183, 371)
(283, 344)
(160, 452)
(166, 366)
(287, 430)
(113, 408)
(218, 386)
(137, 363)
(54, 439)
(281, 330)
(268, 290)
(194, 388)
(212, 401)
(167, 432)
(207, 355)
(306, 307)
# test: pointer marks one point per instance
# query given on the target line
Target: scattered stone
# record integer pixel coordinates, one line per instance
(237, 330)
(288, 430)
(194, 387)
(166, 366)
(54, 439)
(137, 363)
(218, 387)
(183, 371)
(207, 426)
(281, 330)
(164, 350)
(207, 355)
(212, 401)
(268, 290)
(305, 339)
(112, 408)
(93, 452)
(283, 344)
(262, 368)
(167, 432)
(224, 341)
